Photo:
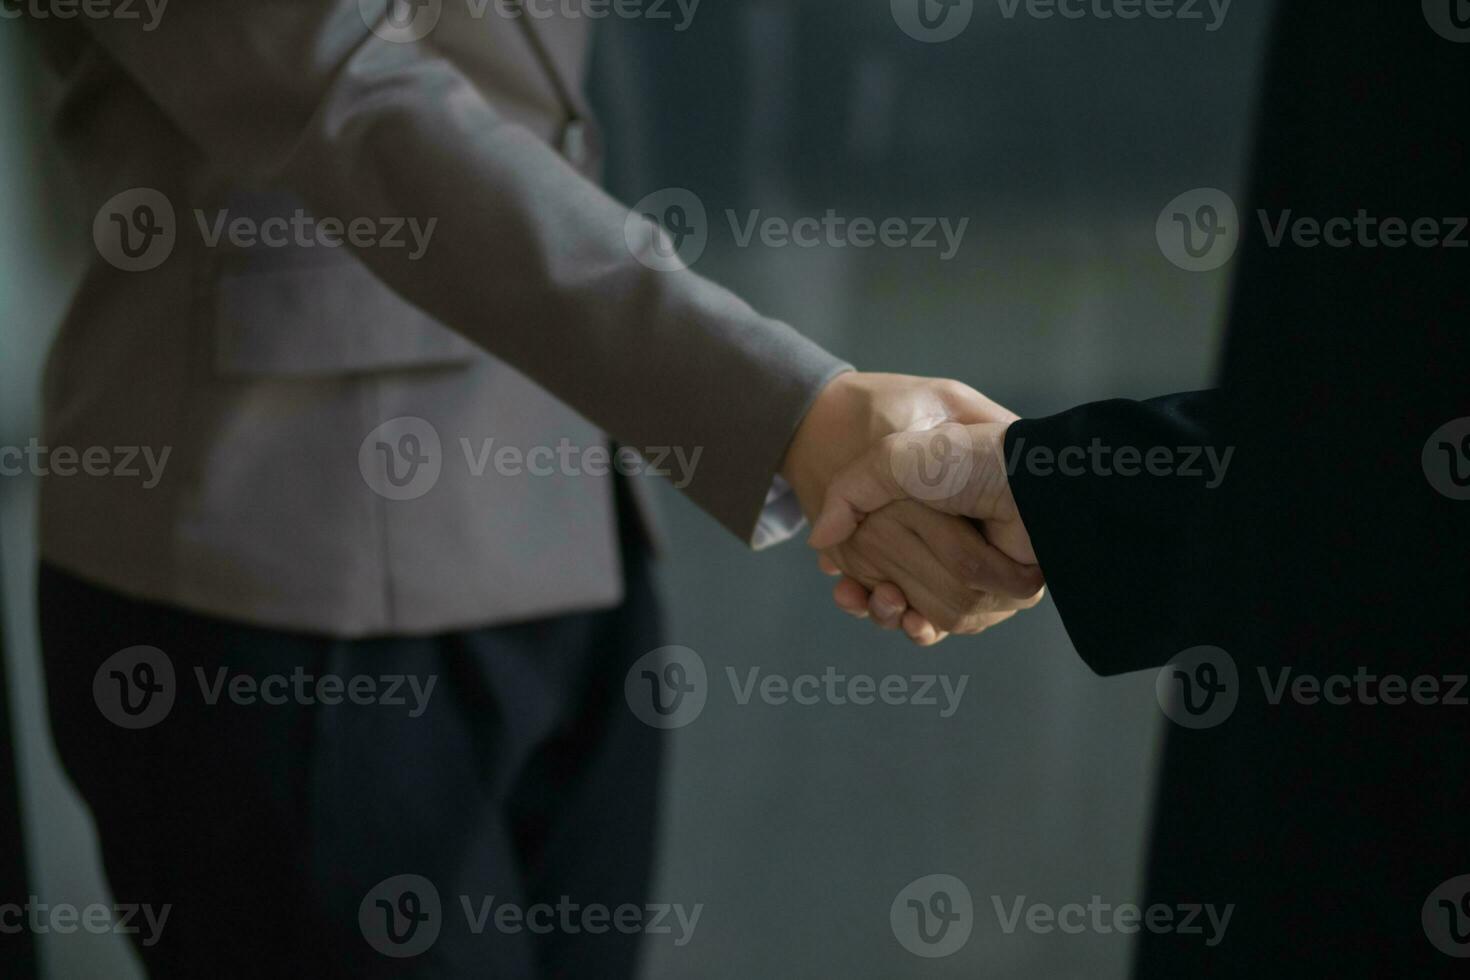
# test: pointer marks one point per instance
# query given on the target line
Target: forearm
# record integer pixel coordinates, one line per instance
(528, 259)
(1116, 535)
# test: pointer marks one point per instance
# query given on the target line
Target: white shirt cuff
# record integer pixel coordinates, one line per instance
(781, 518)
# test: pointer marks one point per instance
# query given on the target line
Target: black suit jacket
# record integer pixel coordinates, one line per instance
(1326, 551)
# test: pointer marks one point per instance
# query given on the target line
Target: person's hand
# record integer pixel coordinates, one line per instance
(855, 411)
(952, 468)
(852, 415)
(930, 573)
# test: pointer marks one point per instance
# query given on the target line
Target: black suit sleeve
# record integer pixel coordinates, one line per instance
(1116, 496)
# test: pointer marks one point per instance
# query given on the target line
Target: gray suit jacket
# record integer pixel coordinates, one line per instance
(327, 411)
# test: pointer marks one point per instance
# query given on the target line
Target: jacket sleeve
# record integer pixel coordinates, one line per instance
(1116, 496)
(529, 259)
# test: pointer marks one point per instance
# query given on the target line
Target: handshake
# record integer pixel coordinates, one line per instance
(905, 482)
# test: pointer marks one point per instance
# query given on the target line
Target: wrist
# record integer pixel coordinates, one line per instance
(815, 454)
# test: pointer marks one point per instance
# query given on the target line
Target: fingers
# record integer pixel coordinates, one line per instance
(889, 609)
(922, 632)
(888, 605)
(928, 464)
(892, 552)
(952, 468)
(929, 574)
(862, 487)
(851, 598)
(968, 556)
(1010, 538)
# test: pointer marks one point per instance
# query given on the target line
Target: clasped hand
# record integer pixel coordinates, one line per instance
(905, 481)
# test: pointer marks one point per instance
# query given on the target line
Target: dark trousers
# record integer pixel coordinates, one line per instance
(289, 837)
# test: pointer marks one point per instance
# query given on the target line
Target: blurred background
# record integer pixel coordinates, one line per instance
(796, 826)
